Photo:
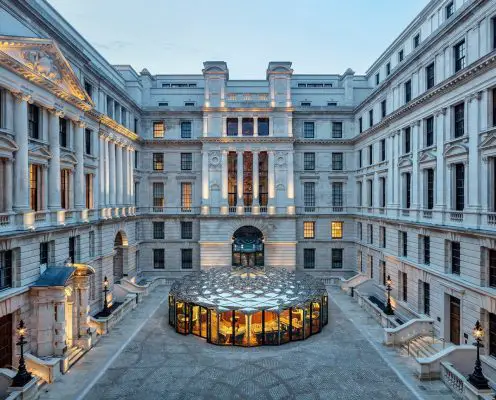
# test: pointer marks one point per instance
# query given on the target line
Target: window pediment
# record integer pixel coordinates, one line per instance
(7, 146)
(405, 162)
(67, 160)
(427, 157)
(455, 150)
(488, 143)
(39, 153)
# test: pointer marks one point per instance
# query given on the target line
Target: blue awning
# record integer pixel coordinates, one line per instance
(55, 276)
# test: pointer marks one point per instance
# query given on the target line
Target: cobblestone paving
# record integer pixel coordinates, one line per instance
(335, 364)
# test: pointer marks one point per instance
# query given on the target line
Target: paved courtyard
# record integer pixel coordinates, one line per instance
(158, 363)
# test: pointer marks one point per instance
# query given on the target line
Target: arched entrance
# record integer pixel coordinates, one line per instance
(248, 247)
(120, 245)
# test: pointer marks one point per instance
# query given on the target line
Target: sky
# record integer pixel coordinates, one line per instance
(177, 36)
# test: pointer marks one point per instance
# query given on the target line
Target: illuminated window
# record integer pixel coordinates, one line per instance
(158, 161)
(309, 230)
(89, 190)
(158, 129)
(186, 196)
(35, 186)
(64, 188)
(337, 229)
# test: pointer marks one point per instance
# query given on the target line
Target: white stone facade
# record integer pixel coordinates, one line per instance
(141, 164)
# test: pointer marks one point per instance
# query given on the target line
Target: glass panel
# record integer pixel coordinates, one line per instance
(214, 327)
(285, 325)
(240, 329)
(316, 317)
(226, 328)
(172, 309)
(195, 320)
(325, 311)
(182, 314)
(203, 322)
(271, 324)
(256, 332)
(297, 324)
(307, 324)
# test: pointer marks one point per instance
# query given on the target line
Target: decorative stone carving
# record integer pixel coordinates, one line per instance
(280, 159)
(42, 63)
(214, 158)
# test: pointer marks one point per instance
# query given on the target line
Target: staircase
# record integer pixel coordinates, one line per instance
(423, 346)
(74, 354)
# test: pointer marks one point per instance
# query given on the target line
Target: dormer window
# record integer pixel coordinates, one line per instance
(331, 104)
(163, 104)
(189, 104)
(305, 103)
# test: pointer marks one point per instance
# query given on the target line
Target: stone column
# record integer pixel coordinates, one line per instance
(44, 187)
(472, 176)
(397, 146)
(79, 169)
(132, 156)
(224, 201)
(290, 184)
(71, 190)
(9, 111)
(111, 169)
(239, 183)
(415, 169)
(205, 183)
(224, 126)
(101, 171)
(391, 170)
(256, 202)
(290, 126)
(54, 165)
(8, 184)
(240, 126)
(271, 182)
(118, 174)
(125, 177)
(255, 126)
(440, 162)
(21, 168)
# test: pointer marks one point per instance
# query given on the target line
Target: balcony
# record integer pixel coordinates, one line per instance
(456, 216)
(168, 210)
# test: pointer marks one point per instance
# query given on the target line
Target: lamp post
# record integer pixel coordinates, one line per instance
(105, 291)
(389, 309)
(477, 378)
(23, 376)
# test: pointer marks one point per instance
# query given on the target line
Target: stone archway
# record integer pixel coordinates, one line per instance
(248, 247)
(120, 255)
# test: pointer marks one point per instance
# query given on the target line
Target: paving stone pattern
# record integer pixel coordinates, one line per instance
(335, 364)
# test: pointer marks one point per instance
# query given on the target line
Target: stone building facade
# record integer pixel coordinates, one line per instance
(137, 175)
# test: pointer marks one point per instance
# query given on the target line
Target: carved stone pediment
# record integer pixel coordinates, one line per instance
(41, 62)
(427, 156)
(405, 162)
(67, 160)
(455, 150)
(7, 146)
(488, 143)
(39, 152)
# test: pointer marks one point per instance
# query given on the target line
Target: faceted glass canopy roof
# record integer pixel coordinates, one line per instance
(248, 289)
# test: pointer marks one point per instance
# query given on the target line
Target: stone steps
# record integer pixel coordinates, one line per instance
(74, 354)
(422, 346)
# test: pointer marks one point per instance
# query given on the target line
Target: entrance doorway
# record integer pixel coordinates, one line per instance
(120, 244)
(6, 341)
(248, 247)
(454, 320)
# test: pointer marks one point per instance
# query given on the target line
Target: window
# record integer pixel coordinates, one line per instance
(88, 136)
(263, 127)
(308, 161)
(416, 40)
(44, 253)
(88, 88)
(309, 258)
(377, 79)
(308, 130)
(186, 130)
(158, 230)
(158, 129)
(360, 125)
(158, 161)
(332, 104)
(370, 192)
(360, 161)
(370, 233)
(88, 178)
(309, 230)
(337, 258)
(91, 244)
(136, 122)
(371, 154)
(35, 187)
(427, 249)
(494, 102)
(404, 281)
(492, 334)
(72, 249)
(158, 258)
(493, 21)
(455, 258)
(371, 266)
(383, 149)
(460, 59)
(382, 266)
(247, 126)
(63, 136)
(359, 261)
(305, 103)
(186, 196)
(337, 130)
(407, 140)
(492, 268)
(186, 230)
(382, 236)
(383, 109)
(429, 174)
(403, 243)
(309, 196)
(337, 161)
(136, 159)
(337, 194)
(5, 269)
(459, 187)
(449, 10)
(110, 108)
(336, 229)
(158, 196)
(408, 190)
(187, 258)
(359, 231)
(163, 104)
(382, 185)
(33, 121)
(408, 91)
(459, 111)
(401, 55)
(427, 298)
(359, 194)
(429, 131)
(371, 118)
(65, 189)
(189, 104)
(388, 69)
(232, 127)
(429, 76)
(186, 161)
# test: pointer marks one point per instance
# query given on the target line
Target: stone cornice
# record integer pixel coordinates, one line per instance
(247, 109)
(475, 69)
(247, 139)
(110, 123)
(324, 141)
(166, 142)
